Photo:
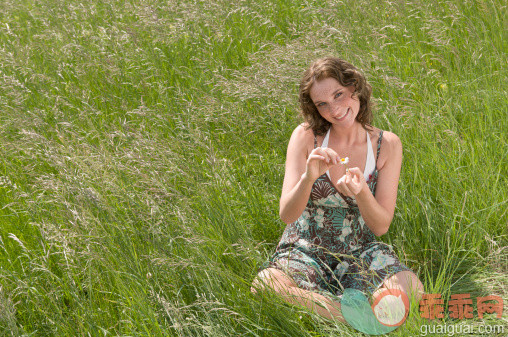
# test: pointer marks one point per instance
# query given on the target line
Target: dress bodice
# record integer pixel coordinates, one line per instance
(331, 222)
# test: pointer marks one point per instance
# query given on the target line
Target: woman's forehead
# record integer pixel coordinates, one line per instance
(321, 89)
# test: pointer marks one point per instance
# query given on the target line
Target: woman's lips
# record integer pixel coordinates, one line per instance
(342, 117)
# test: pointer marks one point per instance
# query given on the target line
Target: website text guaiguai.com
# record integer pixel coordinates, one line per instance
(462, 329)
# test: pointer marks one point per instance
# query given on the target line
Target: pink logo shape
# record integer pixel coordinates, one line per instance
(391, 307)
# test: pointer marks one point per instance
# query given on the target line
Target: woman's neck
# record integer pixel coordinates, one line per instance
(348, 137)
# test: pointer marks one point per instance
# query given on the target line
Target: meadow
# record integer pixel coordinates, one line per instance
(143, 144)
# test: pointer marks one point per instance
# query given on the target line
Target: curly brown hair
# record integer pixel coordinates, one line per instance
(346, 74)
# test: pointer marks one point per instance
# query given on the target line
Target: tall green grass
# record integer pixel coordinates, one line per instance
(143, 147)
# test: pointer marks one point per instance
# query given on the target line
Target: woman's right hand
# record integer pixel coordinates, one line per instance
(304, 165)
(319, 161)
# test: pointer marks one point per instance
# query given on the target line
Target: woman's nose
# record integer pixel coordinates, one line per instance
(335, 111)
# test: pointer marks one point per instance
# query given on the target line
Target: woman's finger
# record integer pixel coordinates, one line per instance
(320, 151)
(353, 175)
(333, 155)
(350, 185)
(354, 180)
(347, 180)
(316, 156)
(342, 187)
(343, 178)
(355, 171)
(329, 154)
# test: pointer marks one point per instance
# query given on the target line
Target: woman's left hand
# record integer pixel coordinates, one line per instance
(352, 183)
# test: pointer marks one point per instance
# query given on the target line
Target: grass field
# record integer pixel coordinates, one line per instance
(143, 146)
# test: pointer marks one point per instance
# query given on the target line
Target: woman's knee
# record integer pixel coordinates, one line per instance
(406, 281)
(272, 278)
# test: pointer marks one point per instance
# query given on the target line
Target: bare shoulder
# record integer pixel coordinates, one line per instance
(391, 148)
(302, 138)
(303, 131)
(391, 140)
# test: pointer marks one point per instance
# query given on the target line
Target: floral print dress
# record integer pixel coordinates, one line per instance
(330, 248)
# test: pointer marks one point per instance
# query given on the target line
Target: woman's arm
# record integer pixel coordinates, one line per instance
(377, 212)
(302, 169)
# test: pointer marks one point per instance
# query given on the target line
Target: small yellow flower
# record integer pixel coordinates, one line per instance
(344, 160)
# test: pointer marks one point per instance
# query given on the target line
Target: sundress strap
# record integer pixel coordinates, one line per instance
(379, 144)
(315, 139)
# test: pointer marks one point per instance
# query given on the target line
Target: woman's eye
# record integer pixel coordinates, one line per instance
(338, 94)
(321, 104)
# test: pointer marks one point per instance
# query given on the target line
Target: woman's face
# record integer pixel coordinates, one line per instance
(334, 102)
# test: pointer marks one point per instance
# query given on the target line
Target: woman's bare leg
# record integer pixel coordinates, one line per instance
(284, 285)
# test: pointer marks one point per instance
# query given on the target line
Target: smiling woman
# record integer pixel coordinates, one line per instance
(335, 102)
(334, 214)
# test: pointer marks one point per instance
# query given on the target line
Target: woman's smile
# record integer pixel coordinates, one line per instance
(343, 116)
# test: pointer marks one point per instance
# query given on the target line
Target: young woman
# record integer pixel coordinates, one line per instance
(339, 193)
